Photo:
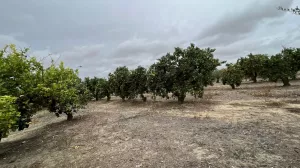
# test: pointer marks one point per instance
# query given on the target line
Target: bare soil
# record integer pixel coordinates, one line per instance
(256, 125)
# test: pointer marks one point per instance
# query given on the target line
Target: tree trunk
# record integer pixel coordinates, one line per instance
(69, 116)
(97, 96)
(232, 86)
(286, 81)
(108, 98)
(254, 78)
(218, 80)
(181, 98)
(143, 98)
(200, 95)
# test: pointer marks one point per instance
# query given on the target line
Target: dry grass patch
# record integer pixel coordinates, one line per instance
(228, 128)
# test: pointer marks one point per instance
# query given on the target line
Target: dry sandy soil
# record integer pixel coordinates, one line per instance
(256, 125)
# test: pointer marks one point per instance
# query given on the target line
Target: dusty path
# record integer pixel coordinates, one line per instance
(229, 128)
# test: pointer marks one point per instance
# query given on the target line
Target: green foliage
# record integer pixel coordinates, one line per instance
(92, 85)
(98, 87)
(295, 11)
(232, 75)
(26, 87)
(119, 82)
(252, 65)
(186, 70)
(293, 57)
(19, 77)
(104, 89)
(159, 80)
(59, 87)
(8, 115)
(283, 65)
(83, 93)
(217, 75)
(138, 83)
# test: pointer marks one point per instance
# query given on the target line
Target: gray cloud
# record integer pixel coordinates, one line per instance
(270, 45)
(10, 39)
(136, 46)
(101, 35)
(237, 24)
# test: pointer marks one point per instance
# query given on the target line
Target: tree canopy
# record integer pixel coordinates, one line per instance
(252, 65)
(232, 75)
(26, 87)
(104, 89)
(186, 70)
(119, 82)
(59, 87)
(138, 82)
(284, 65)
(217, 75)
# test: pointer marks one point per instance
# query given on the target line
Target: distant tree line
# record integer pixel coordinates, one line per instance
(184, 71)
(282, 66)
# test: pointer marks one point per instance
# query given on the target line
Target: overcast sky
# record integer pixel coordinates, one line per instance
(100, 35)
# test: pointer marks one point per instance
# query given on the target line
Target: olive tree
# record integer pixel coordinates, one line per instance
(232, 75)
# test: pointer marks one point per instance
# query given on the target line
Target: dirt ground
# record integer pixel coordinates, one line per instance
(256, 125)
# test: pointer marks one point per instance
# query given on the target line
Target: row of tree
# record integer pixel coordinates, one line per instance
(282, 66)
(184, 71)
(26, 86)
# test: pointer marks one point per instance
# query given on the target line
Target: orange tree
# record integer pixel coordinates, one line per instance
(185, 71)
(138, 83)
(252, 65)
(26, 87)
(283, 66)
(60, 89)
(232, 75)
(119, 82)
(19, 77)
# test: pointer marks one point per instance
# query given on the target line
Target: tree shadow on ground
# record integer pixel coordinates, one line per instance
(36, 139)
